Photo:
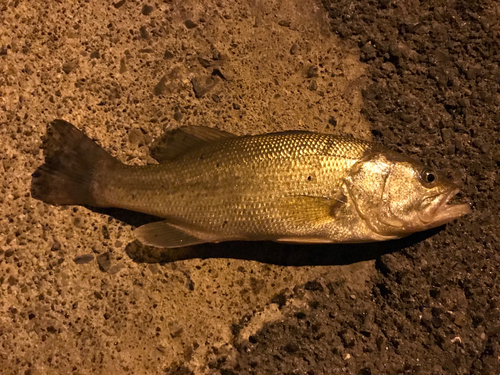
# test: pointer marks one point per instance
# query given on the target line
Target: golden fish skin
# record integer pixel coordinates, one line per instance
(297, 187)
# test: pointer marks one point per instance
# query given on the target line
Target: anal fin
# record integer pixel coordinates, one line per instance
(164, 234)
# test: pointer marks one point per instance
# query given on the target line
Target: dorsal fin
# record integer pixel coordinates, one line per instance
(176, 142)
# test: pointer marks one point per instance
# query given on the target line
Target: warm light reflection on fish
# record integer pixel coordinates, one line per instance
(212, 186)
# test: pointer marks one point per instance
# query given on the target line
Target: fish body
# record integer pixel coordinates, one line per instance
(212, 186)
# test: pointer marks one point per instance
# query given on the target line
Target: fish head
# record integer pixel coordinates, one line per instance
(397, 196)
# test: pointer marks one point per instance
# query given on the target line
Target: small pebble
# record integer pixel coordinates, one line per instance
(78, 222)
(161, 87)
(348, 338)
(104, 261)
(147, 10)
(218, 72)
(115, 269)
(202, 85)
(190, 24)
(82, 259)
(365, 371)
(123, 65)
(460, 319)
(175, 329)
(293, 49)
(69, 66)
(204, 62)
(447, 134)
(300, 315)
(153, 267)
(178, 116)
(135, 137)
(332, 121)
(313, 86)
(496, 156)
(168, 55)
(144, 33)
(119, 4)
(437, 322)
(369, 50)
(291, 347)
(312, 71)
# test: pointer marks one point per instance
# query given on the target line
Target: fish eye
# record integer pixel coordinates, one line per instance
(428, 177)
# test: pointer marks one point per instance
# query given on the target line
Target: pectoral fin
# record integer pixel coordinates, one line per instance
(313, 213)
(164, 234)
(315, 210)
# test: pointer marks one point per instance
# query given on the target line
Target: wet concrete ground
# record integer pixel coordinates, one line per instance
(78, 295)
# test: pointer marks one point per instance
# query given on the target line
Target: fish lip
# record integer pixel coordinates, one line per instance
(441, 212)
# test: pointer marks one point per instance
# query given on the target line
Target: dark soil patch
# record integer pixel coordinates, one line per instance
(434, 308)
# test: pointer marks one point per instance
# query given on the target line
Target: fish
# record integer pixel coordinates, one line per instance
(213, 186)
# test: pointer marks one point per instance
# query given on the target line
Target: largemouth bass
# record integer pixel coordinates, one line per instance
(213, 186)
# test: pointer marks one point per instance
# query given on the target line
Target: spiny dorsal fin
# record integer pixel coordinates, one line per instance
(176, 142)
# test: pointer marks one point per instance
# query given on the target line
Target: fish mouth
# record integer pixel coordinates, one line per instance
(439, 211)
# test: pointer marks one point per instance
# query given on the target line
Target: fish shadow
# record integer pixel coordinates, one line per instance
(262, 251)
(136, 219)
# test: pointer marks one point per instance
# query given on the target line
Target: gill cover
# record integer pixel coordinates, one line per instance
(396, 195)
(387, 191)
(366, 184)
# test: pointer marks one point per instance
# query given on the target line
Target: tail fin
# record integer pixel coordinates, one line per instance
(72, 160)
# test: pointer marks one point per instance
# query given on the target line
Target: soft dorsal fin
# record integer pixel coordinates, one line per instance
(176, 142)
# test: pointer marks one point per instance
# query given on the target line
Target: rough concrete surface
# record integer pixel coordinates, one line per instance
(79, 295)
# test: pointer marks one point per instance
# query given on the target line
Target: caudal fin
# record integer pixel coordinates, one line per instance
(72, 162)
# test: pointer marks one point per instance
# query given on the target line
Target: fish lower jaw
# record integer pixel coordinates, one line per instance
(450, 212)
(444, 212)
(447, 213)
